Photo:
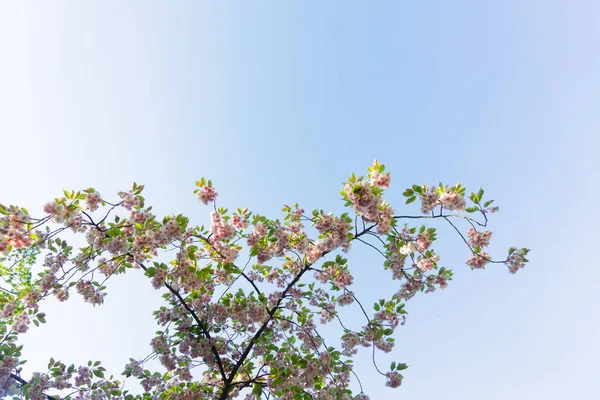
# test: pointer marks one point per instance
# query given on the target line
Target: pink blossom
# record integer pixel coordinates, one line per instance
(159, 279)
(118, 245)
(478, 261)
(345, 299)
(58, 211)
(92, 200)
(381, 180)
(453, 201)
(480, 239)
(8, 309)
(207, 194)
(516, 259)
(429, 200)
(407, 249)
(238, 222)
(3, 245)
(394, 379)
(427, 263)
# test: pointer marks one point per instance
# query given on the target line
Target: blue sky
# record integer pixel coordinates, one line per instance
(279, 102)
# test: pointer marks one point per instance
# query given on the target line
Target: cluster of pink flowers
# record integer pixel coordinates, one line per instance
(388, 318)
(207, 194)
(89, 292)
(259, 231)
(380, 179)
(38, 384)
(423, 241)
(363, 200)
(118, 245)
(221, 230)
(171, 230)
(316, 250)
(55, 261)
(83, 376)
(427, 263)
(386, 216)
(334, 228)
(7, 364)
(32, 298)
(372, 337)
(269, 249)
(478, 261)
(46, 282)
(61, 294)
(129, 200)
(56, 210)
(429, 200)
(247, 315)
(61, 378)
(481, 239)
(410, 287)
(160, 277)
(8, 309)
(147, 239)
(442, 281)
(407, 249)
(140, 216)
(13, 230)
(346, 299)
(93, 200)
(334, 233)
(349, 343)
(453, 201)
(238, 222)
(21, 324)
(516, 260)
(394, 379)
(3, 245)
(335, 274)
(223, 253)
(420, 243)
(75, 223)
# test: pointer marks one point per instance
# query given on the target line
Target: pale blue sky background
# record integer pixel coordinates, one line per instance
(279, 102)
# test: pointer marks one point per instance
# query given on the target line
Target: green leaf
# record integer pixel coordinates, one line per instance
(411, 199)
(480, 194)
(98, 373)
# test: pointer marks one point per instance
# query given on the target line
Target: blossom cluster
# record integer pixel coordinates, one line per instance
(14, 233)
(516, 259)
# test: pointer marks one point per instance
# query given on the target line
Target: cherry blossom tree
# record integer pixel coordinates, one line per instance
(245, 300)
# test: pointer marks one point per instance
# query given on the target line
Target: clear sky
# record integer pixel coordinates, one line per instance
(279, 101)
